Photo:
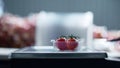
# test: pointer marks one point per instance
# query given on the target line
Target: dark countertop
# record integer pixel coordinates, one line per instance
(45, 52)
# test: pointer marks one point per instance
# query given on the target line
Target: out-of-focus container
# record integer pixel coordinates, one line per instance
(51, 25)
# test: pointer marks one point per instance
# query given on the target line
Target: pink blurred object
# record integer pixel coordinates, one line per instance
(113, 34)
(16, 31)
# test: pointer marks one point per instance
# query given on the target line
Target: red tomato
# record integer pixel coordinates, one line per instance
(72, 44)
(61, 44)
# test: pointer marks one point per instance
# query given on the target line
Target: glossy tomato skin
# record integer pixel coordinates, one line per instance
(61, 44)
(72, 44)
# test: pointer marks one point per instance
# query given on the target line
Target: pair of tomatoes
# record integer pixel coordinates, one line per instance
(70, 43)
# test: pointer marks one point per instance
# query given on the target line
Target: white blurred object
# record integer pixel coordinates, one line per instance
(42, 47)
(51, 25)
(78, 20)
(103, 45)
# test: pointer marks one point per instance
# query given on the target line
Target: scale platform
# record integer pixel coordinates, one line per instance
(48, 52)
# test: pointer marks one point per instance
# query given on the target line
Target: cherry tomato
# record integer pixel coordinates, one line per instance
(72, 43)
(61, 43)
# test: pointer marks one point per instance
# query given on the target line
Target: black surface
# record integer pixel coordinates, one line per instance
(62, 63)
(5, 63)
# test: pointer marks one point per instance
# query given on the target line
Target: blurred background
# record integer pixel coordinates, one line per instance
(106, 12)
(18, 22)
(18, 18)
